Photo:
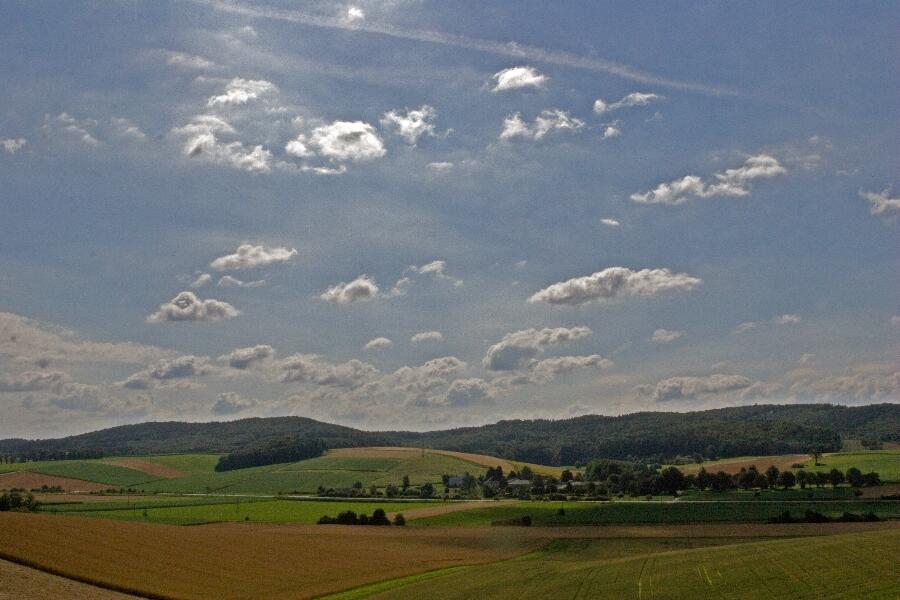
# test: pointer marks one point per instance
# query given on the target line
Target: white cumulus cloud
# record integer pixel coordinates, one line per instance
(731, 183)
(186, 306)
(548, 121)
(515, 78)
(515, 349)
(662, 336)
(881, 204)
(12, 145)
(427, 336)
(241, 91)
(248, 256)
(615, 282)
(361, 289)
(347, 141)
(410, 124)
(243, 358)
(379, 343)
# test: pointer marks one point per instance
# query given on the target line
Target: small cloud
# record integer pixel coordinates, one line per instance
(241, 91)
(612, 283)
(227, 281)
(610, 222)
(881, 204)
(410, 124)
(744, 327)
(611, 131)
(230, 403)
(379, 343)
(731, 183)
(787, 319)
(354, 14)
(440, 167)
(632, 99)
(348, 141)
(201, 280)
(186, 306)
(242, 358)
(361, 289)
(248, 256)
(548, 121)
(427, 336)
(662, 336)
(515, 78)
(12, 145)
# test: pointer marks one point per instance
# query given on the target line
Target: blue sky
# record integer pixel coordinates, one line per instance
(210, 209)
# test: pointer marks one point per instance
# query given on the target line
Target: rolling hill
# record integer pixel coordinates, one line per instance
(720, 433)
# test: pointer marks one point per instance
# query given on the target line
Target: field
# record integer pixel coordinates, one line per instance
(857, 565)
(239, 560)
(181, 512)
(231, 560)
(884, 462)
(607, 513)
(195, 473)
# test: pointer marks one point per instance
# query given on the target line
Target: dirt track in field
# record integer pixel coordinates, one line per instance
(782, 462)
(18, 582)
(146, 466)
(31, 481)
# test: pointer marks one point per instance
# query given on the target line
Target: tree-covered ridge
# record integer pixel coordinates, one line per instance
(654, 436)
(284, 451)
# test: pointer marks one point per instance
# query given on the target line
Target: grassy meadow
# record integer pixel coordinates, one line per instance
(857, 565)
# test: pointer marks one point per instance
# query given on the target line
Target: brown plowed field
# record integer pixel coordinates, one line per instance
(733, 466)
(18, 582)
(433, 511)
(146, 466)
(31, 481)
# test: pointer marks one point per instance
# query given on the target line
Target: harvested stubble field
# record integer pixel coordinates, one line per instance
(243, 561)
(154, 469)
(18, 582)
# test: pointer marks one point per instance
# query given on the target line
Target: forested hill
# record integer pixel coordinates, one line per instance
(722, 433)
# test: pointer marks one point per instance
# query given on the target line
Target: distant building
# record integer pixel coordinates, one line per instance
(455, 481)
(518, 484)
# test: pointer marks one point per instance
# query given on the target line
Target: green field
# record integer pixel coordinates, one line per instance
(884, 462)
(113, 475)
(857, 565)
(245, 509)
(610, 513)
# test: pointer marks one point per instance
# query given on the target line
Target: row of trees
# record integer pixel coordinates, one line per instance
(19, 501)
(348, 517)
(772, 478)
(280, 452)
(45, 454)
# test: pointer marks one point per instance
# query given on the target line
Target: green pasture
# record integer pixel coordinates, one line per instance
(884, 462)
(114, 476)
(858, 565)
(247, 509)
(613, 513)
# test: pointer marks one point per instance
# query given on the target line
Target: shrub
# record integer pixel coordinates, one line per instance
(399, 520)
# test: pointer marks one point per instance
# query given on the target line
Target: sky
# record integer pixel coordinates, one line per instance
(418, 215)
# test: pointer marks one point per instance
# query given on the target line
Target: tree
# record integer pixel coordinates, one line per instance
(816, 454)
(747, 478)
(704, 479)
(821, 478)
(565, 476)
(379, 517)
(803, 478)
(526, 473)
(871, 479)
(855, 477)
(786, 479)
(405, 482)
(772, 475)
(391, 491)
(399, 519)
(671, 480)
(426, 491)
(835, 478)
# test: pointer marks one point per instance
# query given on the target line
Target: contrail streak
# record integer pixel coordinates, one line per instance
(512, 49)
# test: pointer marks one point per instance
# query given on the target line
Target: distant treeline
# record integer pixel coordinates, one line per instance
(660, 437)
(280, 452)
(39, 453)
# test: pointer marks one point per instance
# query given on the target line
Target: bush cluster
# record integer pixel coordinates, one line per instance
(348, 517)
